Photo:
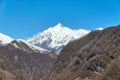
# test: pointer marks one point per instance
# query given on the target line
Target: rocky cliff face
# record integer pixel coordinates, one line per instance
(90, 58)
(19, 61)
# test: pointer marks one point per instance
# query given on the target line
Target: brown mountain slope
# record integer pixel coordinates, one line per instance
(5, 75)
(89, 57)
(113, 72)
(22, 63)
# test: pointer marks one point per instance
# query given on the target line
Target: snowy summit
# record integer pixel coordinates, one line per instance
(54, 38)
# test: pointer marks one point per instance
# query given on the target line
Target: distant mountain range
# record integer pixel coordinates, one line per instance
(53, 39)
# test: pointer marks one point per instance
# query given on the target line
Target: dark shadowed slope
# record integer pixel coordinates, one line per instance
(90, 57)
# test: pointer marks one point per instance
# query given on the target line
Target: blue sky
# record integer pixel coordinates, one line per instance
(24, 18)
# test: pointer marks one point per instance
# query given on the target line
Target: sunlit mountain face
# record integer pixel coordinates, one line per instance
(55, 38)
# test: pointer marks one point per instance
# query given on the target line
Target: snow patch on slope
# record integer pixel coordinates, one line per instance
(99, 28)
(16, 46)
(33, 47)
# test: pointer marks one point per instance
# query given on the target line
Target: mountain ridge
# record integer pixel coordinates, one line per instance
(52, 39)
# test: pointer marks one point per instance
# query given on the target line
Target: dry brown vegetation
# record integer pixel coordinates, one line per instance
(5, 75)
(90, 57)
(113, 71)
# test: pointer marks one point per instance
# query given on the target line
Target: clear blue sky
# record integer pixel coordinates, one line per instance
(24, 18)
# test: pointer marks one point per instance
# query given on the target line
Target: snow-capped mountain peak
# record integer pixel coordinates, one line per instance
(59, 25)
(4, 39)
(54, 38)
